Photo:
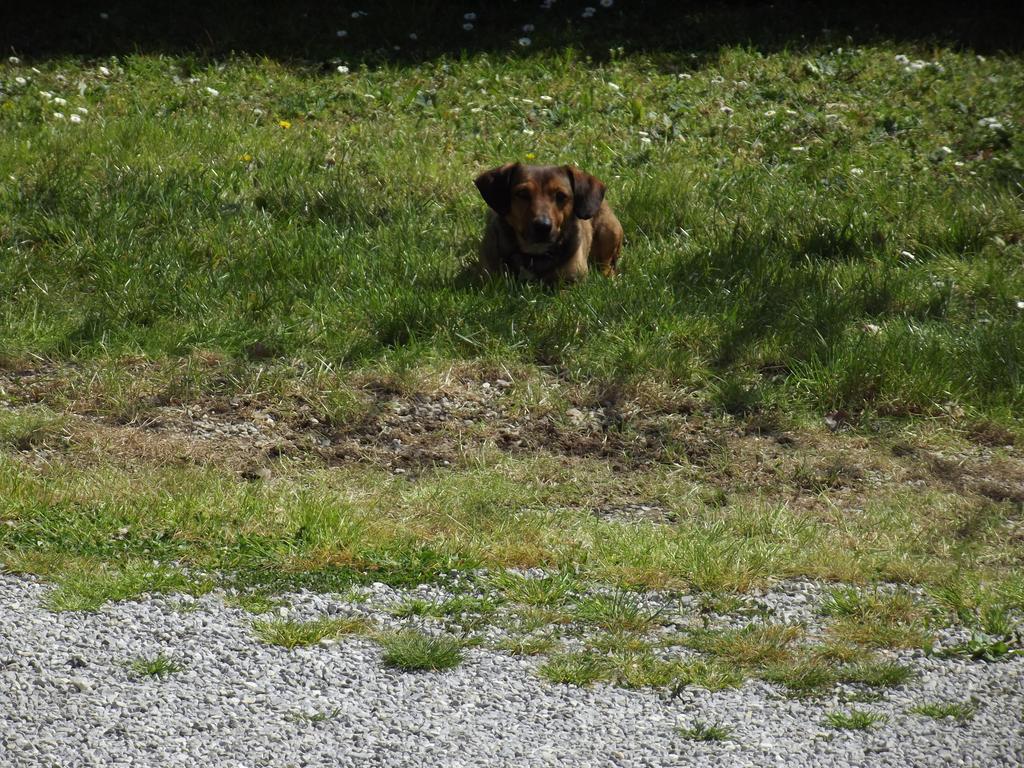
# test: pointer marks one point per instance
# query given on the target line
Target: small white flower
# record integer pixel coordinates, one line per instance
(469, 16)
(607, 3)
(727, 111)
(684, 76)
(614, 86)
(104, 15)
(58, 115)
(257, 111)
(46, 95)
(717, 79)
(642, 133)
(467, 26)
(105, 72)
(945, 150)
(1020, 304)
(645, 140)
(546, 98)
(82, 110)
(341, 33)
(60, 102)
(525, 42)
(356, 14)
(413, 36)
(14, 60)
(527, 131)
(588, 12)
(20, 80)
(528, 27)
(75, 118)
(798, 149)
(741, 84)
(770, 113)
(856, 171)
(212, 91)
(342, 70)
(901, 59)
(792, 112)
(909, 255)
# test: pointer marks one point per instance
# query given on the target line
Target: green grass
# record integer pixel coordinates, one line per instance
(288, 243)
(960, 711)
(700, 731)
(414, 651)
(876, 618)
(617, 611)
(550, 590)
(638, 668)
(292, 244)
(755, 645)
(290, 633)
(157, 666)
(855, 719)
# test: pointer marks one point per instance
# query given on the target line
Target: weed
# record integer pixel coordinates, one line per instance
(290, 633)
(157, 666)
(855, 719)
(755, 645)
(580, 669)
(616, 612)
(700, 731)
(314, 717)
(256, 602)
(549, 590)
(961, 711)
(880, 619)
(414, 651)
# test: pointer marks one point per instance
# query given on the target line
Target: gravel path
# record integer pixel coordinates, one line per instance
(68, 698)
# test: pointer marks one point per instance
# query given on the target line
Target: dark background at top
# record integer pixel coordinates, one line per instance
(306, 31)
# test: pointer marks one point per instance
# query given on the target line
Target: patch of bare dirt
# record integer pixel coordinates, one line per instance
(451, 423)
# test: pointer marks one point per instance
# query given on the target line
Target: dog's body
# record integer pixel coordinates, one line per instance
(547, 223)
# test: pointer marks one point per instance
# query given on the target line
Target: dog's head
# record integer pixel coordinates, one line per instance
(540, 202)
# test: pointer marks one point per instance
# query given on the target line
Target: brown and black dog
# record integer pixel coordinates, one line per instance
(547, 222)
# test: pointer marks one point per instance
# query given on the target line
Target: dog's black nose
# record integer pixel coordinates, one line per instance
(541, 227)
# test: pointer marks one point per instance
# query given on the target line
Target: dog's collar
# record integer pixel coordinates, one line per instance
(539, 264)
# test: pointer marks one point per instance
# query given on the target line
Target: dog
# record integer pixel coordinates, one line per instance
(547, 223)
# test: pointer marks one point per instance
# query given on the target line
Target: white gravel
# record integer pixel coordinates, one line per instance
(68, 698)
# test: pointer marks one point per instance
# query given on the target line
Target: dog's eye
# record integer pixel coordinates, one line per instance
(523, 194)
(561, 198)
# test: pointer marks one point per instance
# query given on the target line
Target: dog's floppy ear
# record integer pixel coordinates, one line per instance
(587, 192)
(495, 187)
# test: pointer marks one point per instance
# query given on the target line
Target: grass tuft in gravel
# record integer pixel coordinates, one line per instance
(578, 668)
(960, 711)
(314, 717)
(801, 676)
(753, 645)
(875, 618)
(289, 633)
(255, 602)
(158, 666)
(416, 652)
(85, 586)
(855, 719)
(616, 612)
(550, 590)
(701, 731)
(881, 674)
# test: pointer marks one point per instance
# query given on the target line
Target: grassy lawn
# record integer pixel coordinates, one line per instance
(237, 348)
